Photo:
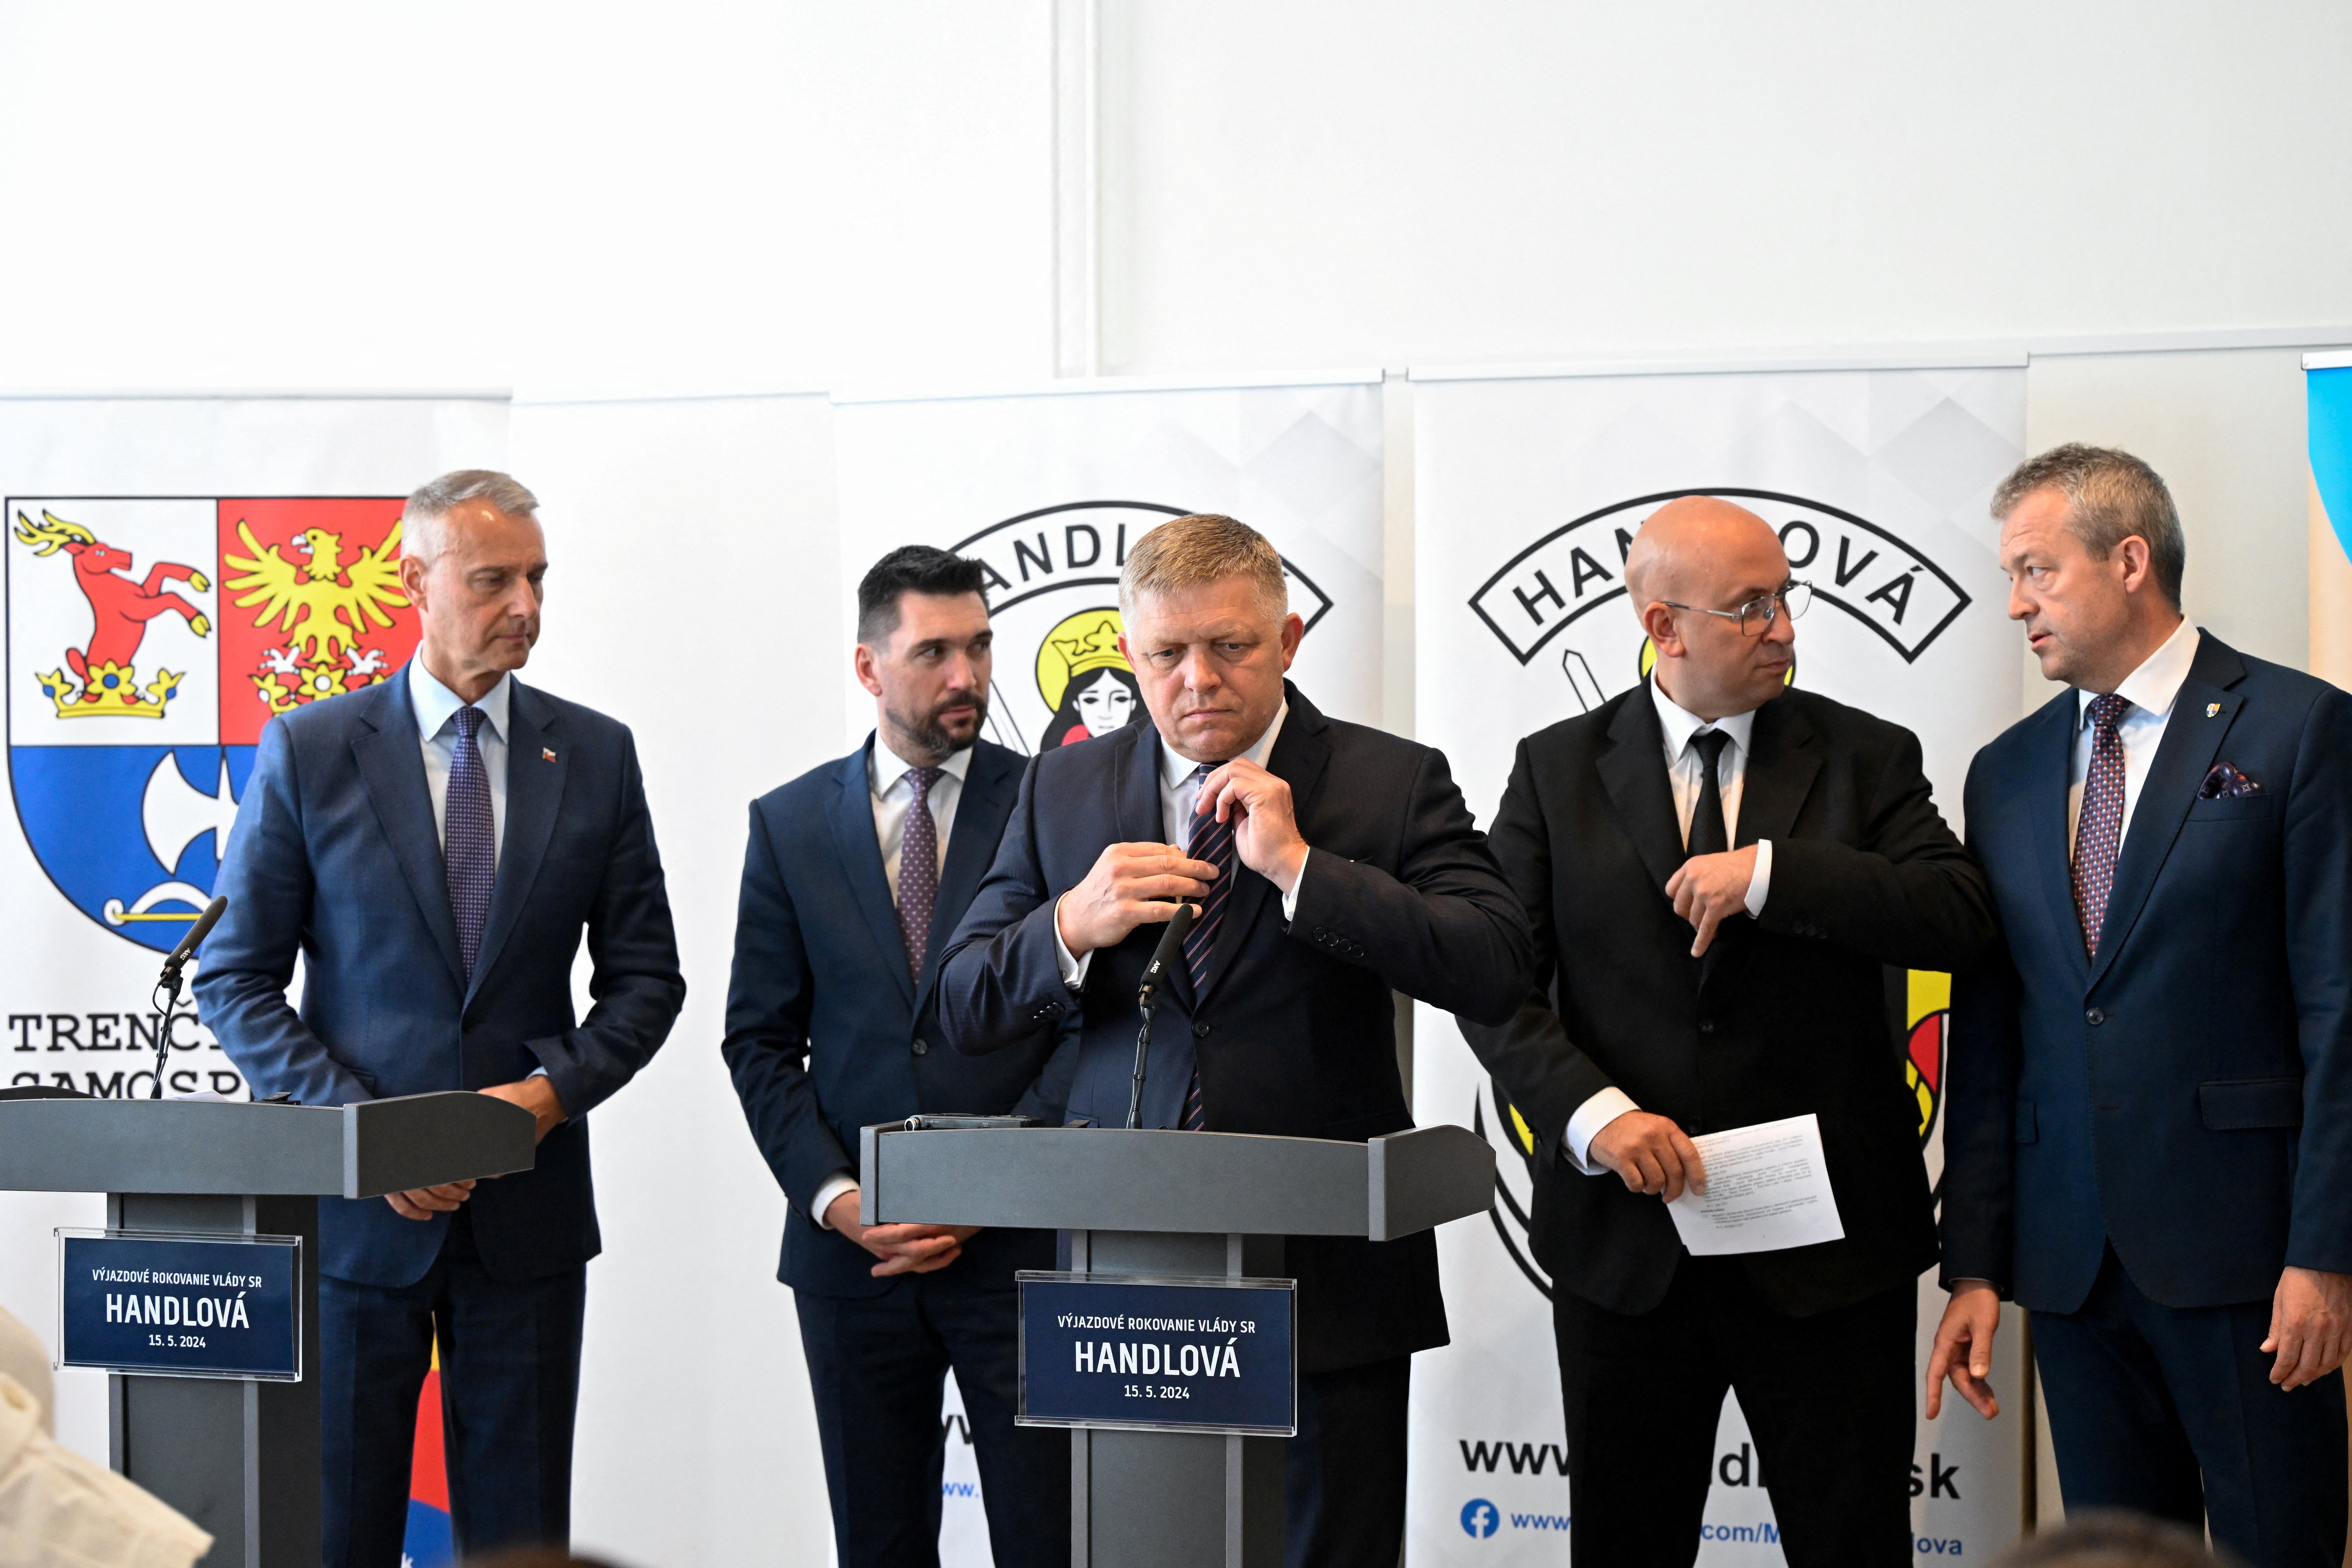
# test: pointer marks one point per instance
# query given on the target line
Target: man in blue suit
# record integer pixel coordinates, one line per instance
(857, 873)
(1335, 866)
(433, 846)
(2150, 1134)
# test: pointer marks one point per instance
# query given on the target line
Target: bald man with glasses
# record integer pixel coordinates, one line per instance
(1718, 870)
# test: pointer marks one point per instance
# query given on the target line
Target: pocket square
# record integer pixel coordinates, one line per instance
(2226, 783)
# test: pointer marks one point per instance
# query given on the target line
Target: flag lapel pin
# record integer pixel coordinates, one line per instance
(2212, 710)
(545, 755)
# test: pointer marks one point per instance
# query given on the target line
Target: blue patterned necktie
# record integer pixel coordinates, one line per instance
(1213, 841)
(2099, 824)
(470, 844)
(919, 867)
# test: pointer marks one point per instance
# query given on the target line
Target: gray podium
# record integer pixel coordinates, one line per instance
(241, 1457)
(1168, 1202)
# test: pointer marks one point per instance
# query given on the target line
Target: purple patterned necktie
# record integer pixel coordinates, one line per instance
(2098, 825)
(918, 869)
(470, 844)
(1213, 841)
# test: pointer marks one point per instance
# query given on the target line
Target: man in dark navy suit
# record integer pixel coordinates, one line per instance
(2150, 1143)
(433, 846)
(1333, 864)
(857, 873)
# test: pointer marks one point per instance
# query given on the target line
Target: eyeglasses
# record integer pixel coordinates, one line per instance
(1756, 616)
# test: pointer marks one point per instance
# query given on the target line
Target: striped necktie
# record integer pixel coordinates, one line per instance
(1213, 841)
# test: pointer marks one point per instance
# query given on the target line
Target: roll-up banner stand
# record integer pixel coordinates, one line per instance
(1529, 488)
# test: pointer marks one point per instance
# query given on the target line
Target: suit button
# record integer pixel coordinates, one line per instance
(1199, 1031)
(1707, 1025)
(2095, 1016)
(922, 1047)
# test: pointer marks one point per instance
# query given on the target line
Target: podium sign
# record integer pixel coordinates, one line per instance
(1159, 1354)
(177, 1305)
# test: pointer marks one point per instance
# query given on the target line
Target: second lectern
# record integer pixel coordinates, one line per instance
(1177, 1226)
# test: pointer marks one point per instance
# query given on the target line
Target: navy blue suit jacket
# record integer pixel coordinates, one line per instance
(2187, 1095)
(1295, 1031)
(819, 957)
(336, 856)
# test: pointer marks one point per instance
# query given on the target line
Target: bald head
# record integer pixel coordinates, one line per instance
(1699, 554)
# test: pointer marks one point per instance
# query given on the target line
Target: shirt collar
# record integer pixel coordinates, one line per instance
(884, 767)
(1175, 769)
(2153, 688)
(435, 704)
(1680, 723)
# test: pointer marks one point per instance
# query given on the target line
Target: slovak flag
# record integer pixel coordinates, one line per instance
(428, 1543)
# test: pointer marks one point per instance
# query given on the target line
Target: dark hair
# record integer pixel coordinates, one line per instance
(2107, 1539)
(2111, 496)
(910, 568)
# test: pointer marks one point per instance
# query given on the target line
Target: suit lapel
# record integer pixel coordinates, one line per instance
(861, 865)
(2049, 773)
(1139, 786)
(1781, 767)
(1301, 753)
(537, 761)
(989, 786)
(2191, 739)
(391, 759)
(1633, 770)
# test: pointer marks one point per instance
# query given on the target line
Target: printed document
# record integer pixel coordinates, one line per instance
(1767, 1188)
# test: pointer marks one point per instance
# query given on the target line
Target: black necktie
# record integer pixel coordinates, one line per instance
(1213, 841)
(1706, 830)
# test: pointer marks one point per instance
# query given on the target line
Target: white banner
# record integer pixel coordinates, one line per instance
(1051, 489)
(1528, 492)
(178, 570)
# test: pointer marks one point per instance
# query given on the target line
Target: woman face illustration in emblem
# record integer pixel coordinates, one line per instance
(1094, 703)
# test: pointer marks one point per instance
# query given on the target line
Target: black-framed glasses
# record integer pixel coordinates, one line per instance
(1756, 616)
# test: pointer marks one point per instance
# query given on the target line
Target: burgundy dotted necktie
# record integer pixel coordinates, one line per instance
(469, 843)
(918, 869)
(1213, 841)
(2099, 826)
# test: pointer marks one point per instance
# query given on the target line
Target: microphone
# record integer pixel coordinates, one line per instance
(1147, 997)
(167, 984)
(195, 937)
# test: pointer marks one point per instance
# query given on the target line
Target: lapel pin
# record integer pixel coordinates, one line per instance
(545, 755)
(2212, 709)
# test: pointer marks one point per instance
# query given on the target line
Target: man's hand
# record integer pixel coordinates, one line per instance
(1711, 888)
(903, 1248)
(426, 1202)
(1130, 885)
(1964, 1348)
(1266, 829)
(535, 1094)
(2311, 1326)
(1650, 1155)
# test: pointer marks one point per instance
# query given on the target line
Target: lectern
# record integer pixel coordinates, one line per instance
(240, 1455)
(1142, 1204)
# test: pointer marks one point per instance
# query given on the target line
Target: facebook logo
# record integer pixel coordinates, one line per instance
(1479, 1518)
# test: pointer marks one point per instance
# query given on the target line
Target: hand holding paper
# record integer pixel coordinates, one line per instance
(1767, 1188)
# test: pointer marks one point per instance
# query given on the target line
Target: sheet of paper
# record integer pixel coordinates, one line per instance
(1767, 1188)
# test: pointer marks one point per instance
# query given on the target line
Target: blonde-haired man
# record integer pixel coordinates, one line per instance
(1333, 864)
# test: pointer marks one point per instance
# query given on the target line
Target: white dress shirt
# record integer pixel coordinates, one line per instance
(893, 793)
(1180, 793)
(2151, 689)
(437, 726)
(1685, 773)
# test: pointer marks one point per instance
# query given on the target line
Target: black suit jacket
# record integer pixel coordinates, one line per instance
(1787, 1013)
(2187, 1096)
(336, 856)
(1294, 1032)
(819, 959)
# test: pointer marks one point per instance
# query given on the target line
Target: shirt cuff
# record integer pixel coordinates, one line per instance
(1290, 899)
(1584, 1126)
(840, 1182)
(1074, 969)
(1759, 884)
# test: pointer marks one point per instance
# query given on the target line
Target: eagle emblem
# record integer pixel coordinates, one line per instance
(322, 606)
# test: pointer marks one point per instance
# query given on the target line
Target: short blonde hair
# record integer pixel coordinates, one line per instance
(1206, 547)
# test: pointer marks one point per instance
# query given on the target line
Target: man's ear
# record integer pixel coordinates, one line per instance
(868, 677)
(1658, 621)
(1292, 629)
(2137, 561)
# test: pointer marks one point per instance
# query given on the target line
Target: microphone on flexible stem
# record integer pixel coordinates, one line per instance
(1147, 997)
(167, 984)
